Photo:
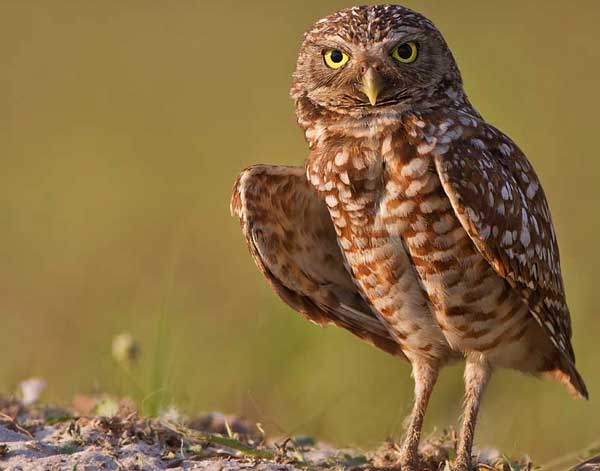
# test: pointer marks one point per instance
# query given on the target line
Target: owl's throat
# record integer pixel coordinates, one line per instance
(370, 121)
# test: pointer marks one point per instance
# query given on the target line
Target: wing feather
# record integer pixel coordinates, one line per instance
(500, 202)
(293, 242)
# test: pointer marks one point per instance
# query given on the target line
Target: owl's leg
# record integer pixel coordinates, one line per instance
(477, 376)
(425, 376)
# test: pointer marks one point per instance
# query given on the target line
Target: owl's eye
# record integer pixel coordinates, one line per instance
(405, 52)
(334, 58)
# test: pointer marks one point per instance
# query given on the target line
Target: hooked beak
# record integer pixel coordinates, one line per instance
(372, 84)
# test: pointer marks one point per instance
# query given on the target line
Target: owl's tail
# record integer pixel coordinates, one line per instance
(568, 375)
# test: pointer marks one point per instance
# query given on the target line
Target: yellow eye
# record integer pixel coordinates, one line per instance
(405, 52)
(334, 58)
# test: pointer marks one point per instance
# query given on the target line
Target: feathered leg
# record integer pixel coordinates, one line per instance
(425, 377)
(477, 376)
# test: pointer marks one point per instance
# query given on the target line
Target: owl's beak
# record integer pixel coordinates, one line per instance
(372, 84)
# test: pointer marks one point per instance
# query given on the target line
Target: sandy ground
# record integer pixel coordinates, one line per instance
(51, 449)
(79, 438)
(130, 443)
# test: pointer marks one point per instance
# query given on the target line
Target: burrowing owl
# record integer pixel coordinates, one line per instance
(414, 224)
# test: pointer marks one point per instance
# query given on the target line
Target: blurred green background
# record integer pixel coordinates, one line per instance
(122, 127)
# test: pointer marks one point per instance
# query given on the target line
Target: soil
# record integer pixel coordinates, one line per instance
(97, 435)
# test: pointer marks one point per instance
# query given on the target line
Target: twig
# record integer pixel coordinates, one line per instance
(221, 440)
(236, 445)
(15, 424)
(588, 465)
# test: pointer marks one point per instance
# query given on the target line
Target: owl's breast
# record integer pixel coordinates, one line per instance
(474, 307)
(354, 181)
(408, 252)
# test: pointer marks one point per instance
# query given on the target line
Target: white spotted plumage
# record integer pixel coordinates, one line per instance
(437, 239)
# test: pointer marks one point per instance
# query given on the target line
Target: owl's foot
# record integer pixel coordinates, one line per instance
(409, 463)
(462, 464)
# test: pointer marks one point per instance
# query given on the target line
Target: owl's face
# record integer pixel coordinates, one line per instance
(365, 60)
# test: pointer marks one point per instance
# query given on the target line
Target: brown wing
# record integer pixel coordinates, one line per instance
(499, 200)
(293, 242)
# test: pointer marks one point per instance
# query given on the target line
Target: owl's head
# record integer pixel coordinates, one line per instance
(373, 59)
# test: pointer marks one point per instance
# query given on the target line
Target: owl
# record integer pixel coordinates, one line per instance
(414, 223)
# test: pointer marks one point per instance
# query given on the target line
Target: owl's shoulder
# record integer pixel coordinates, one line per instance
(449, 129)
